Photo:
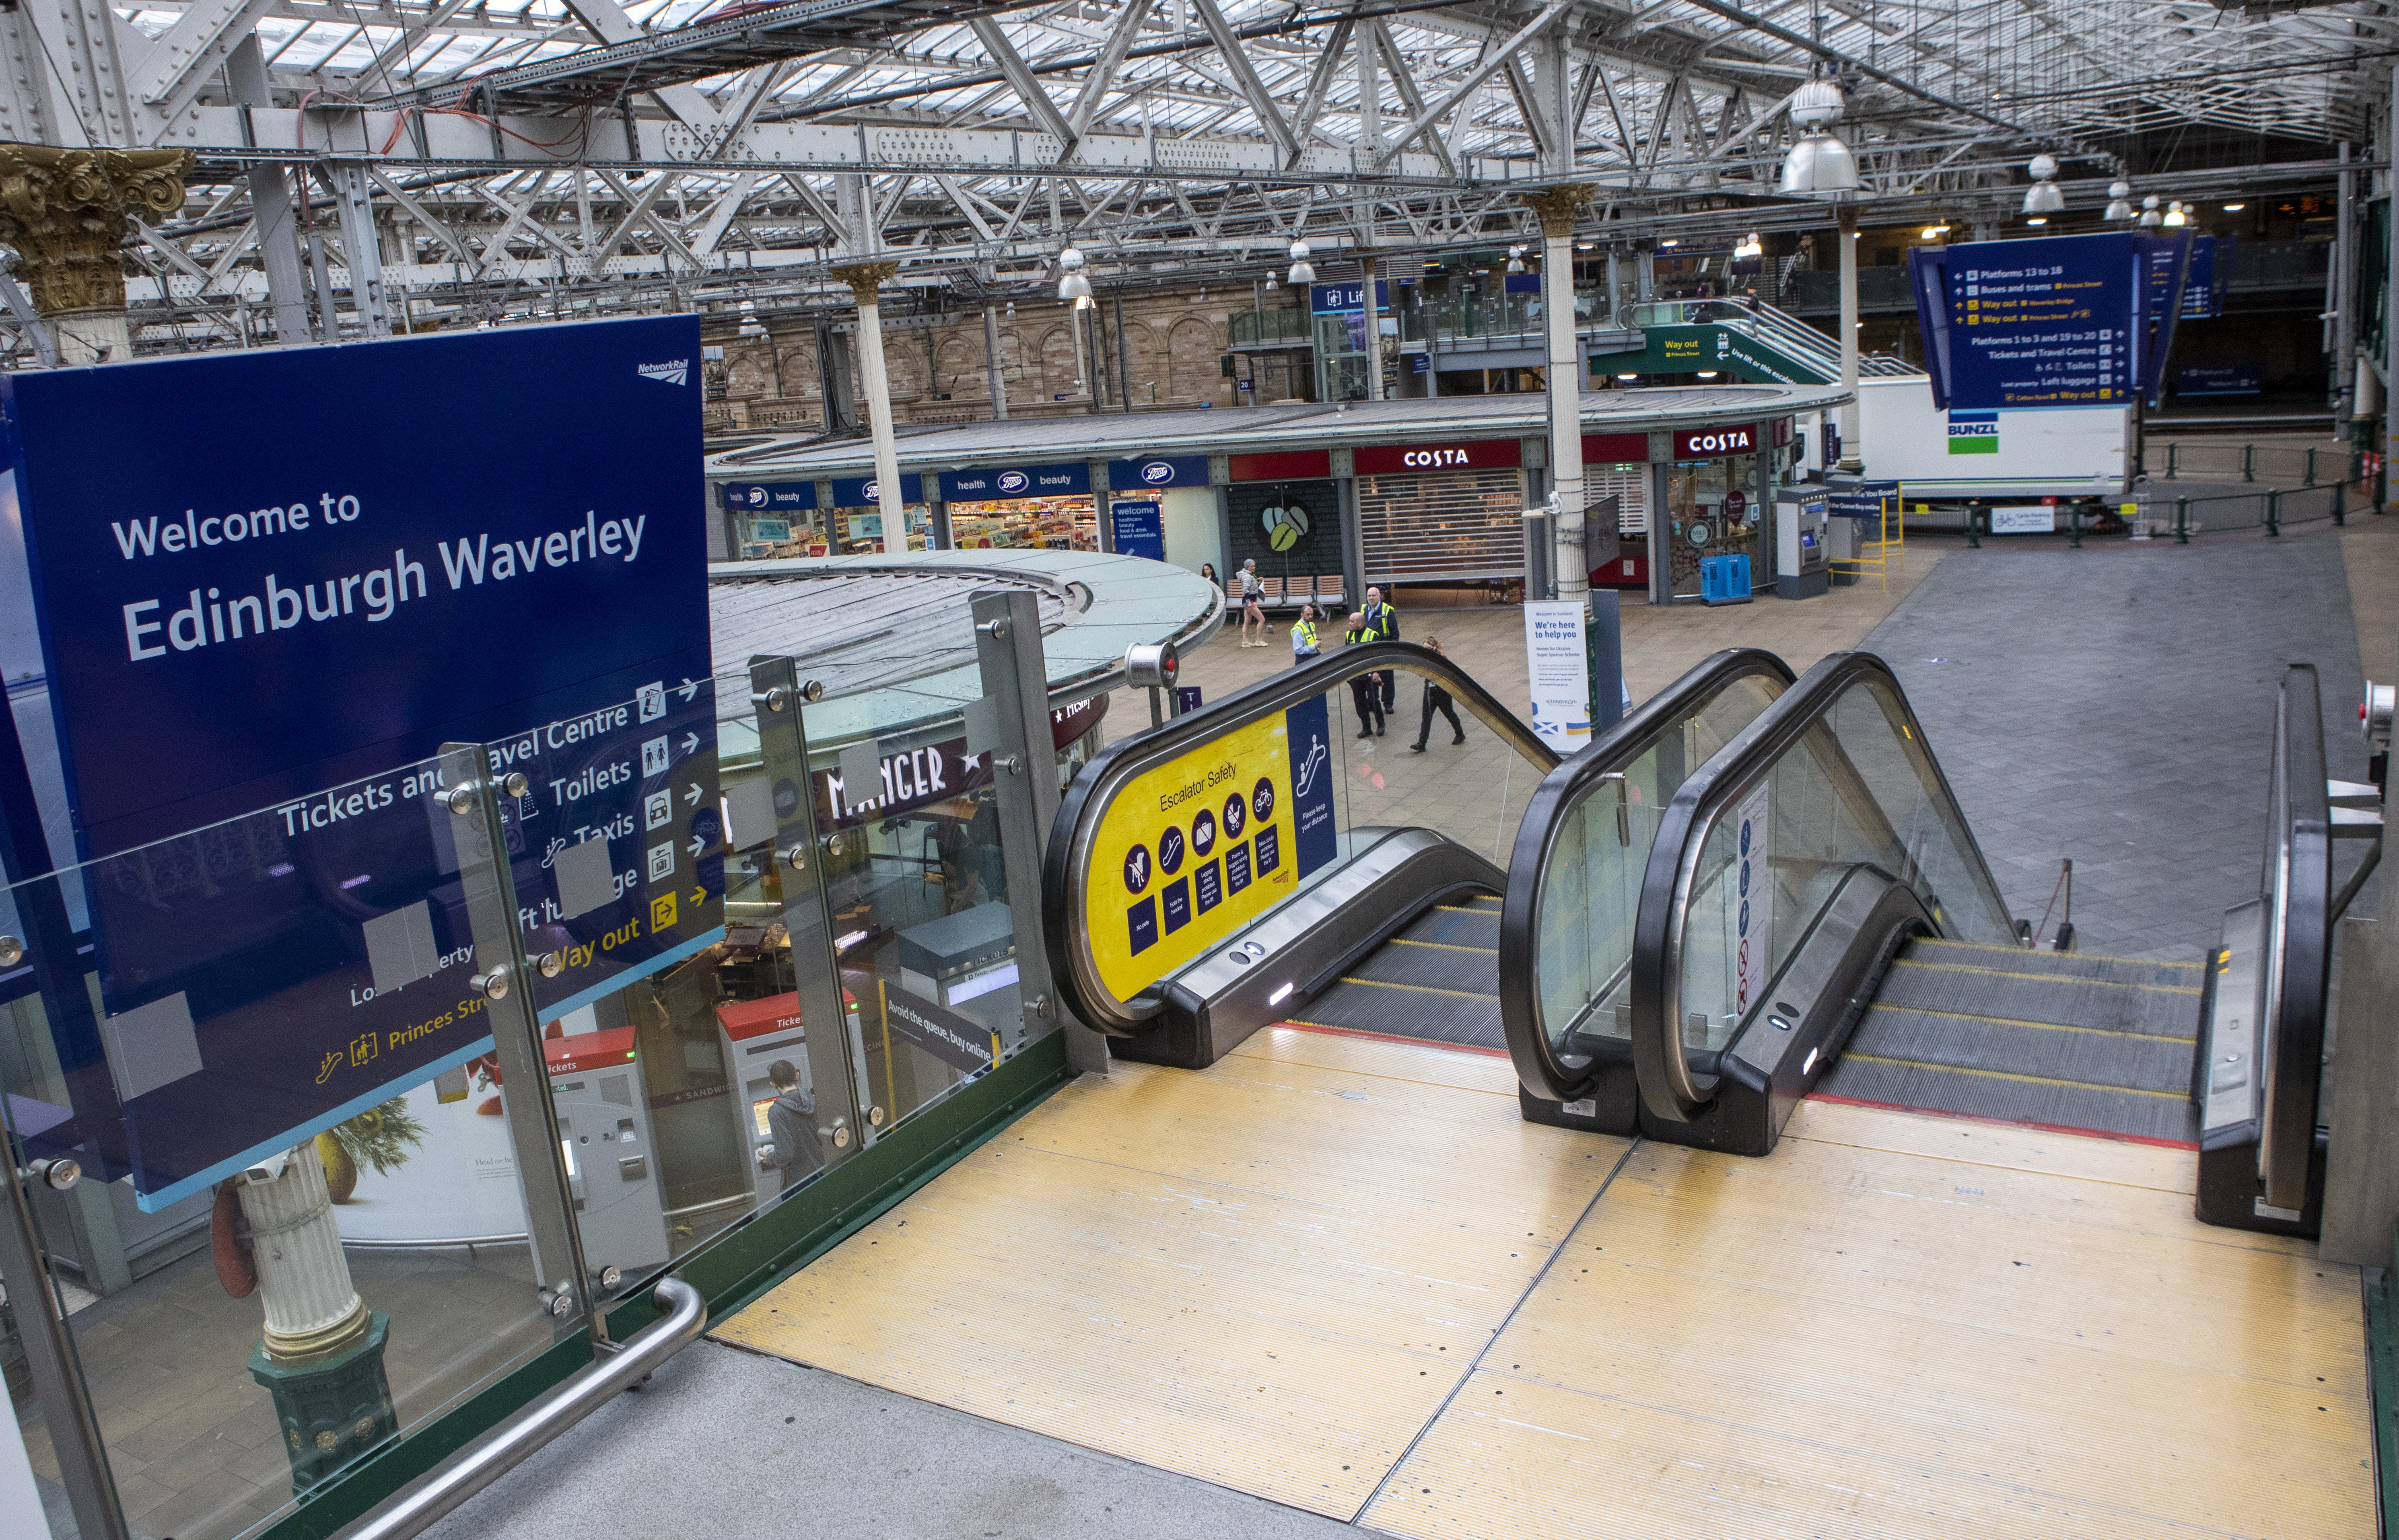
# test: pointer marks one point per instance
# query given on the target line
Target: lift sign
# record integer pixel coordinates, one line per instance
(1193, 850)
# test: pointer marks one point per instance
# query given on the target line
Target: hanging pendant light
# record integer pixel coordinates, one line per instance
(1819, 165)
(2042, 196)
(1301, 272)
(1072, 285)
(2174, 219)
(2150, 218)
(2120, 205)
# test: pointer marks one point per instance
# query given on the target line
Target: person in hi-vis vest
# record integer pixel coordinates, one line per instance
(1303, 636)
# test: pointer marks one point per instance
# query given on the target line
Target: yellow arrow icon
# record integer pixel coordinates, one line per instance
(698, 895)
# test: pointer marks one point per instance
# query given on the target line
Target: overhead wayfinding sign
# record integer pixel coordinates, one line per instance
(286, 638)
(1193, 850)
(2066, 321)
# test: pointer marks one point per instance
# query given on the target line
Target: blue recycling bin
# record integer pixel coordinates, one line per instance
(1724, 579)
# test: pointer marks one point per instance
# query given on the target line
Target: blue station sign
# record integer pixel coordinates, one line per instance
(1325, 299)
(255, 660)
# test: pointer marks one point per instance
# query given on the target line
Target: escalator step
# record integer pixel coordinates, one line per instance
(1473, 928)
(2006, 1096)
(1437, 979)
(2061, 964)
(2015, 994)
(2078, 1055)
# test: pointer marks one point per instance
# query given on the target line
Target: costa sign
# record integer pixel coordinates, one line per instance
(1385, 459)
(1707, 442)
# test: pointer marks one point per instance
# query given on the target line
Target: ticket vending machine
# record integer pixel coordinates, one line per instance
(612, 1166)
(1801, 558)
(753, 1034)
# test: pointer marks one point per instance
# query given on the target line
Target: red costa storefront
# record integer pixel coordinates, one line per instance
(1436, 513)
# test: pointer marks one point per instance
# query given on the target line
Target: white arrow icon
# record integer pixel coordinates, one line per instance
(690, 742)
(691, 797)
(689, 687)
(697, 844)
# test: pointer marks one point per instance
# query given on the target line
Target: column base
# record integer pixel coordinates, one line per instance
(332, 1411)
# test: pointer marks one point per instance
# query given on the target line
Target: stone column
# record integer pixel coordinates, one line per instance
(322, 1357)
(65, 212)
(866, 280)
(1850, 465)
(1557, 208)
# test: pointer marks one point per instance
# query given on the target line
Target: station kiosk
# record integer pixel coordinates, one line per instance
(1802, 563)
(612, 1166)
(752, 1034)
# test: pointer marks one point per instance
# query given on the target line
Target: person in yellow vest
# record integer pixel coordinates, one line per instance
(1303, 636)
(1383, 624)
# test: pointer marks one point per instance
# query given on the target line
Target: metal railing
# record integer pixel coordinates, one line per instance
(2209, 459)
(416, 1508)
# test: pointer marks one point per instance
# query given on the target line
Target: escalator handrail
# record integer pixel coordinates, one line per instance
(1658, 1057)
(1558, 798)
(1066, 860)
(2298, 929)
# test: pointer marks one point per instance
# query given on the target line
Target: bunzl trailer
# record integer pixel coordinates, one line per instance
(1994, 456)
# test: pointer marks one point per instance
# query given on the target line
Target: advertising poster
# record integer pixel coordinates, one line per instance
(253, 659)
(1754, 924)
(1193, 850)
(1556, 660)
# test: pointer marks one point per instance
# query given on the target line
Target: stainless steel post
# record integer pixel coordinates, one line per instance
(49, 1355)
(779, 696)
(506, 989)
(1024, 771)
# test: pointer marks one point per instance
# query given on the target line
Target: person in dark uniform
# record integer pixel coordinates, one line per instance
(792, 1121)
(1366, 690)
(1383, 624)
(1436, 700)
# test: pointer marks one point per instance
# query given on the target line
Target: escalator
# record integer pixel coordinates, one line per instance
(1814, 917)
(1752, 890)
(1390, 922)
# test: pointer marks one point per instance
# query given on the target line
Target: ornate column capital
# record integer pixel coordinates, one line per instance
(1557, 208)
(65, 211)
(865, 277)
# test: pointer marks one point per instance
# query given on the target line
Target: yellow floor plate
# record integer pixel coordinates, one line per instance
(1291, 1273)
(1901, 1325)
(1270, 1274)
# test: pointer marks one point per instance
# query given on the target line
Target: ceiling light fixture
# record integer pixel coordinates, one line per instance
(2042, 196)
(2175, 218)
(1819, 165)
(2234, 207)
(1072, 285)
(2120, 205)
(1301, 272)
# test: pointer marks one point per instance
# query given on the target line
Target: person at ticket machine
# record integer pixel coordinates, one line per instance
(796, 1152)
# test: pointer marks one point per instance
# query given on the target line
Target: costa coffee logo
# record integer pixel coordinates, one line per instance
(1720, 440)
(1425, 457)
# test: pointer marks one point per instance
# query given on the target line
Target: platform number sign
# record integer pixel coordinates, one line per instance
(1753, 921)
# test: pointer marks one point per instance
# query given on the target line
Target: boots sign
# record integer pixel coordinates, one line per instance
(478, 538)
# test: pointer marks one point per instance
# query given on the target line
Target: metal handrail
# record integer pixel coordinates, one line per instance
(1561, 794)
(416, 1508)
(2297, 889)
(1065, 864)
(1669, 1088)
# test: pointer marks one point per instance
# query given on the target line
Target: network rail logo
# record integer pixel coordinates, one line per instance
(674, 371)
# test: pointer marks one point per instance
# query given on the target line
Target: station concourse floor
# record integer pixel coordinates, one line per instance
(1340, 1276)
